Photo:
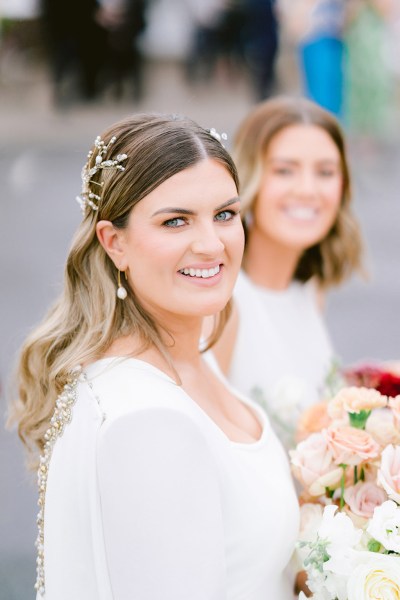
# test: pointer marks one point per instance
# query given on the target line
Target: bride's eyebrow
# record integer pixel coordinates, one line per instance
(185, 211)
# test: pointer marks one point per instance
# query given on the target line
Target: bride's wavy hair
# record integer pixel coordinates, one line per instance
(339, 254)
(88, 316)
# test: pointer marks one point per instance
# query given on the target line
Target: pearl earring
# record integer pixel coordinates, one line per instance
(121, 291)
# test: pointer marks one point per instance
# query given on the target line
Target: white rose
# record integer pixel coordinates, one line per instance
(383, 427)
(310, 520)
(339, 530)
(287, 399)
(389, 472)
(385, 526)
(377, 576)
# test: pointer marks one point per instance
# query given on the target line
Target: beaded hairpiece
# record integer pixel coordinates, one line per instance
(87, 197)
(218, 136)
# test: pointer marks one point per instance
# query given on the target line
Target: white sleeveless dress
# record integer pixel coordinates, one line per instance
(147, 498)
(282, 353)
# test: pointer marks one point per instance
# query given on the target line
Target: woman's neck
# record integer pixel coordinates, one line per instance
(268, 263)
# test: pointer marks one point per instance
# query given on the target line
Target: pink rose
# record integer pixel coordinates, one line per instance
(313, 466)
(389, 472)
(383, 427)
(351, 446)
(354, 400)
(362, 498)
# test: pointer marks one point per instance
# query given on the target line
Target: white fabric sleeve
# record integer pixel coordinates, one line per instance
(161, 510)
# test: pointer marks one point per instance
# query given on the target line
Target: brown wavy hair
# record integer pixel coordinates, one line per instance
(88, 318)
(339, 254)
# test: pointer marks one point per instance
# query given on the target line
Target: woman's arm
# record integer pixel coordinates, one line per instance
(161, 509)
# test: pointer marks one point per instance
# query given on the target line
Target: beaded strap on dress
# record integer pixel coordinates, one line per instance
(61, 417)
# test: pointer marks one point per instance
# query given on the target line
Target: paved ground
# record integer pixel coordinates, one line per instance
(41, 153)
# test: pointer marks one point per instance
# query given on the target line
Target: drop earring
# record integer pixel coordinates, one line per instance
(121, 291)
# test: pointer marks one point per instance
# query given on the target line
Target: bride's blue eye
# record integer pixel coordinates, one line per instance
(225, 215)
(175, 222)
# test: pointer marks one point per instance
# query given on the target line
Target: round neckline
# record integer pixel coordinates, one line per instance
(293, 286)
(257, 411)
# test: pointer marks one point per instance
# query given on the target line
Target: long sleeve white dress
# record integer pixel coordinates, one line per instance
(282, 353)
(147, 498)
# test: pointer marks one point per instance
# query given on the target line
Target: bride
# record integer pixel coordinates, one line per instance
(156, 478)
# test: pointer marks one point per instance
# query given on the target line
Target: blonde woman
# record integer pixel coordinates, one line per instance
(301, 239)
(156, 479)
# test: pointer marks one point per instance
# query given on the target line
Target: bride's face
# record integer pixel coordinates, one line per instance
(184, 243)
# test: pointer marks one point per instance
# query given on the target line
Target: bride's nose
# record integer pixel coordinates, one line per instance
(207, 241)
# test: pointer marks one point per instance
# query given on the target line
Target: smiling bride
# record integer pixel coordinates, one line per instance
(157, 480)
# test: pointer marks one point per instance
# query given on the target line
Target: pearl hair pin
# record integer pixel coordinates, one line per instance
(88, 198)
(218, 136)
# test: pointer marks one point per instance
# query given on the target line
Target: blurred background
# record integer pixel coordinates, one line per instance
(69, 69)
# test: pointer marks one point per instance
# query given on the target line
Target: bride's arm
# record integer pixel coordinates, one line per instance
(161, 509)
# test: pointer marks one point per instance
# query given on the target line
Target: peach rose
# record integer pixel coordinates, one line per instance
(394, 404)
(354, 400)
(313, 466)
(351, 446)
(389, 472)
(362, 498)
(313, 420)
(382, 426)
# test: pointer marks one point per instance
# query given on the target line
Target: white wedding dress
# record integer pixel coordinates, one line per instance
(282, 353)
(147, 498)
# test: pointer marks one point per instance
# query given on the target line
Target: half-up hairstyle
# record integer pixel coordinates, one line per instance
(88, 317)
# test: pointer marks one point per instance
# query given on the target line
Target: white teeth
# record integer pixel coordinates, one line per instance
(303, 213)
(201, 273)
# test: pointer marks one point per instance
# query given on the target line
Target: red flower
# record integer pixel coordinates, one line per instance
(387, 383)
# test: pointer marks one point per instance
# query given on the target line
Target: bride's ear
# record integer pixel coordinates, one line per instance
(113, 242)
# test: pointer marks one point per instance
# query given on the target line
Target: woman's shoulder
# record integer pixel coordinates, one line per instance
(125, 384)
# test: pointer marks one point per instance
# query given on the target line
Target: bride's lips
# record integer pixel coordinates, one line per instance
(202, 274)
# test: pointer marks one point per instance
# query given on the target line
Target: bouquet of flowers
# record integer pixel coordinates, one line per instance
(348, 464)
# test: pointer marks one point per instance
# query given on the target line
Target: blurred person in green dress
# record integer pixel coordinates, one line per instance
(369, 79)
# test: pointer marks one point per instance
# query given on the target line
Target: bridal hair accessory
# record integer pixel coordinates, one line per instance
(218, 136)
(87, 197)
(121, 291)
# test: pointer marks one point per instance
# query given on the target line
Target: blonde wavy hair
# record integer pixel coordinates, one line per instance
(88, 317)
(339, 254)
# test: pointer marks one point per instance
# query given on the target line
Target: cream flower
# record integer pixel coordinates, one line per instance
(354, 400)
(377, 576)
(310, 520)
(385, 526)
(394, 404)
(383, 427)
(389, 472)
